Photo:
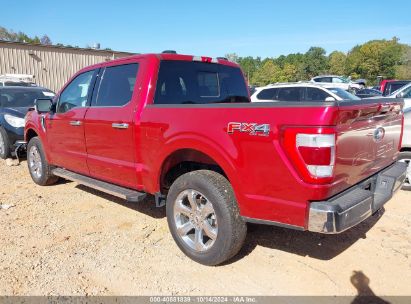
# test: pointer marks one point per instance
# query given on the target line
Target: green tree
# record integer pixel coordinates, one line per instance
(376, 57)
(337, 63)
(268, 73)
(403, 71)
(290, 72)
(249, 65)
(315, 62)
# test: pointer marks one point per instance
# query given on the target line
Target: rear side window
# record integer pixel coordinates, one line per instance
(314, 94)
(116, 85)
(187, 82)
(323, 79)
(290, 94)
(268, 94)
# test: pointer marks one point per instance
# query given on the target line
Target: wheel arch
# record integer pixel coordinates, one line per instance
(29, 134)
(186, 160)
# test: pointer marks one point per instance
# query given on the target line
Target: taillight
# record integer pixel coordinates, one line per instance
(312, 152)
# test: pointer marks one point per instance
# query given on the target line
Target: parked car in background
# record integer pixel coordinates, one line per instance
(21, 80)
(301, 91)
(405, 93)
(391, 86)
(367, 93)
(340, 82)
(405, 154)
(14, 104)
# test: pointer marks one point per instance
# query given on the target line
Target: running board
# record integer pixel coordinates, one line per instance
(124, 193)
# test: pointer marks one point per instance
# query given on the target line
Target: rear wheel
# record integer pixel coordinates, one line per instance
(203, 217)
(406, 158)
(39, 168)
(5, 151)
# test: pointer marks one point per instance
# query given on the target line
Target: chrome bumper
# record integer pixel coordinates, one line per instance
(357, 203)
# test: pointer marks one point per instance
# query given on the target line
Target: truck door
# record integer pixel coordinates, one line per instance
(109, 126)
(65, 127)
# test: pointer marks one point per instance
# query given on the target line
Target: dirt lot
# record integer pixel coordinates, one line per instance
(68, 239)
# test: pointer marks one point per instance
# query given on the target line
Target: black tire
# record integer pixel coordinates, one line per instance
(405, 156)
(43, 176)
(231, 228)
(5, 151)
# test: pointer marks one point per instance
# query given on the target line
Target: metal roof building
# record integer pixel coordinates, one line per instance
(51, 65)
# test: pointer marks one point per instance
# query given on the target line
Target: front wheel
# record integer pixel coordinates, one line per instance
(39, 168)
(5, 151)
(406, 158)
(203, 217)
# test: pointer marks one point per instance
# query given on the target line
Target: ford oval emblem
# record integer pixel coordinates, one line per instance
(379, 134)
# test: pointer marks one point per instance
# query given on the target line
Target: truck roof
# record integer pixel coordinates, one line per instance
(167, 56)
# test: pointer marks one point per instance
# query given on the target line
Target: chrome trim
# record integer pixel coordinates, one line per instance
(120, 125)
(328, 217)
(75, 123)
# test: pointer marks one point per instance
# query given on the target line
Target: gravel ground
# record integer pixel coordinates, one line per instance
(67, 239)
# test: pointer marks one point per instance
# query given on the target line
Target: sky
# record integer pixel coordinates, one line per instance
(211, 28)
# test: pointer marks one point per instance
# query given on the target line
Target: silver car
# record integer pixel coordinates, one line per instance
(403, 92)
(405, 154)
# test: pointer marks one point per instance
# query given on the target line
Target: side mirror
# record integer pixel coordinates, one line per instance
(43, 105)
(329, 98)
(400, 95)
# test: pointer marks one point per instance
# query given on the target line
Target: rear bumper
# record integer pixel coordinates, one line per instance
(357, 203)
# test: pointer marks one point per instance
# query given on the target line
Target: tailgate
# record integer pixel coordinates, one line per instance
(368, 138)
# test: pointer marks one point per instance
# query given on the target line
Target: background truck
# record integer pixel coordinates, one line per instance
(183, 129)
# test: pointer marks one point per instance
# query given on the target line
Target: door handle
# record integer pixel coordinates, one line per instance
(120, 125)
(75, 123)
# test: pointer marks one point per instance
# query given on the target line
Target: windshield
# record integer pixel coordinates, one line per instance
(188, 82)
(343, 94)
(15, 98)
(345, 79)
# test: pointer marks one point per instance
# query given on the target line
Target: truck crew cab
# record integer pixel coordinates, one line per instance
(183, 129)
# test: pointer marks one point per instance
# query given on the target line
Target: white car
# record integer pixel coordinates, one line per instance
(403, 92)
(405, 154)
(304, 91)
(340, 82)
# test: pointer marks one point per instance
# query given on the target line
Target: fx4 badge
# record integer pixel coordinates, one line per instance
(250, 128)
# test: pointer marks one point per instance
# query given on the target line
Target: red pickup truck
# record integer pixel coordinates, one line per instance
(183, 129)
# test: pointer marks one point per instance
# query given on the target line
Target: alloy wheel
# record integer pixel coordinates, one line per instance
(35, 163)
(195, 220)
